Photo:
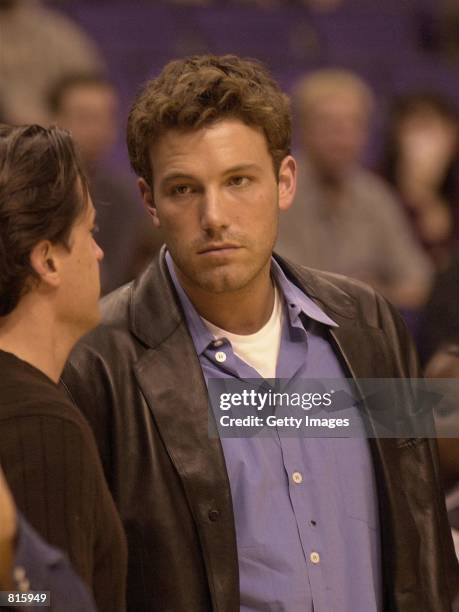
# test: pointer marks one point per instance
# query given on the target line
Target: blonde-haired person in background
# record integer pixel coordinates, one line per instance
(344, 218)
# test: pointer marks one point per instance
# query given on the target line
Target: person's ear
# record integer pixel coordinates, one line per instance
(147, 196)
(287, 182)
(45, 261)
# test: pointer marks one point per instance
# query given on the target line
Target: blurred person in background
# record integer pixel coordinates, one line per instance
(87, 105)
(439, 318)
(422, 164)
(28, 563)
(49, 297)
(344, 218)
(38, 46)
(445, 364)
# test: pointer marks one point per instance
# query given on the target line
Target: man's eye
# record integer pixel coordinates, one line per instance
(239, 181)
(181, 190)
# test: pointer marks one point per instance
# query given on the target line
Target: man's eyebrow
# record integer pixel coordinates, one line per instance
(183, 176)
(244, 167)
(173, 176)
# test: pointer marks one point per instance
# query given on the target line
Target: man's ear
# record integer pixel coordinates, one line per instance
(287, 182)
(147, 197)
(45, 261)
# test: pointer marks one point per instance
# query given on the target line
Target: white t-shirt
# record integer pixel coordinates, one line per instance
(261, 349)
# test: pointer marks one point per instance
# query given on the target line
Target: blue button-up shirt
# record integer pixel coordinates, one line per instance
(306, 512)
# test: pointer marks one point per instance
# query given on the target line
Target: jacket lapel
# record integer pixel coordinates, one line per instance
(171, 380)
(170, 377)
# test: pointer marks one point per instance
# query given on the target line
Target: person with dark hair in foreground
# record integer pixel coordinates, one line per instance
(250, 523)
(49, 291)
(27, 563)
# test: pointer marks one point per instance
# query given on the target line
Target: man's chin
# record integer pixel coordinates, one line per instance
(221, 281)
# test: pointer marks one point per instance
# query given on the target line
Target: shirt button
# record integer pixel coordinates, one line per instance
(297, 477)
(217, 343)
(220, 356)
(315, 557)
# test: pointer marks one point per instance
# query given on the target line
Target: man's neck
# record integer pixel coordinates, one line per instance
(244, 311)
(33, 335)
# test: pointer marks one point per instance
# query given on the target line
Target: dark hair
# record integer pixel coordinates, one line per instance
(197, 91)
(410, 104)
(39, 200)
(71, 81)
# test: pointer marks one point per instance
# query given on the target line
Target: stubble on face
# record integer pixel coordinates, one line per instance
(220, 276)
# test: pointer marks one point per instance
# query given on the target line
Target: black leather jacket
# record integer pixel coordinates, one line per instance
(138, 380)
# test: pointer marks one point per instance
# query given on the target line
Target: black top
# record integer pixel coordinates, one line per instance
(50, 460)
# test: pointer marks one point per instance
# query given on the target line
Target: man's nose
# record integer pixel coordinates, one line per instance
(214, 213)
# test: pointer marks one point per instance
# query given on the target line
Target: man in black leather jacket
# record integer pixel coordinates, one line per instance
(210, 142)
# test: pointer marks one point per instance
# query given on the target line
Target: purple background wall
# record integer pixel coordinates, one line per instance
(382, 41)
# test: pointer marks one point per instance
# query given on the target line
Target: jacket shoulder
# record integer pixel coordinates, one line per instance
(115, 306)
(344, 296)
(113, 330)
(357, 305)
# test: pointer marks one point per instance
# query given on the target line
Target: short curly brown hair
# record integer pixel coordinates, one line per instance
(39, 200)
(197, 91)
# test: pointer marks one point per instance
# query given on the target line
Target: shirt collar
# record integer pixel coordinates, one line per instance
(296, 301)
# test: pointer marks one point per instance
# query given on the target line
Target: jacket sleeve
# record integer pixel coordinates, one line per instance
(407, 365)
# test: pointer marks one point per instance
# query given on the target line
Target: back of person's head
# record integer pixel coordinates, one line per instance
(86, 104)
(198, 91)
(40, 199)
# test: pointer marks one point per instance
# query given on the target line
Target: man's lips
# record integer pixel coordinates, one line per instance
(218, 247)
